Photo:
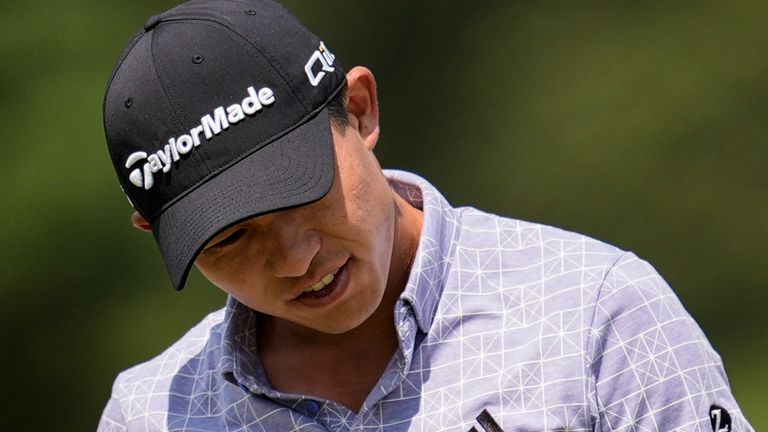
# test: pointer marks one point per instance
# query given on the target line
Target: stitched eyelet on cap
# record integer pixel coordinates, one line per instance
(197, 59)
(128, 102)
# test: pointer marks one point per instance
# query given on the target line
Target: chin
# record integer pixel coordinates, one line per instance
(348, 323)
(341, 328)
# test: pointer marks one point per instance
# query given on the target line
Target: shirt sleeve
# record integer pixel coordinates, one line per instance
(652, 366)
(112, 417)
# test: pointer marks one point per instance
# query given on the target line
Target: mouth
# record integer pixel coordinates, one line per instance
(326, 289)
(322, 283)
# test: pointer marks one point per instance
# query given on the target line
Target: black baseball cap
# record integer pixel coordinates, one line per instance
(216, 112)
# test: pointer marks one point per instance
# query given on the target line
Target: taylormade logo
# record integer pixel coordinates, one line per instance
(210, 125)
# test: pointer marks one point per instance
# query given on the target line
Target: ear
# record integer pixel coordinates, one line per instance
(363, 105)
(140, 223)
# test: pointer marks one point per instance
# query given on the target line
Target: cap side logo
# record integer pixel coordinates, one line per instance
(210, 125)
(323, 56)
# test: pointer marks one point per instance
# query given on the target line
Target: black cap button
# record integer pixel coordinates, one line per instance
(151, 22)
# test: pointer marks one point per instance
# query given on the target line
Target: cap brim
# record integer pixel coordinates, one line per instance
(295, 169)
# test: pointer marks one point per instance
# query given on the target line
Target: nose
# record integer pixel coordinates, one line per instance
(292, 245)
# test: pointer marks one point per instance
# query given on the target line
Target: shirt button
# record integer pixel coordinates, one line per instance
(312, 407)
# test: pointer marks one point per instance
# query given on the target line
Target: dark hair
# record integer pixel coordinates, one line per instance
(338, 111)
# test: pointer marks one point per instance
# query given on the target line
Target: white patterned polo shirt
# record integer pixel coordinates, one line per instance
(504, 325)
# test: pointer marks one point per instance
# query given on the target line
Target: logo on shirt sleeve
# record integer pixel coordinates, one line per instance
(719, 418)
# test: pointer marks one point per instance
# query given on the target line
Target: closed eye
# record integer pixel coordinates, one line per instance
(230, 239)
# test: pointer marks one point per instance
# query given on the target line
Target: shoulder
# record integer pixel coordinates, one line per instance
(532, 278)
(650, 362)
(143, 389)
(565, 270)
(188, 346)
(594, 312)
(553, 252)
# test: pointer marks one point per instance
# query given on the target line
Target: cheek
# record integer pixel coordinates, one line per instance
(229, 275)
(376, 224)
(369, 216)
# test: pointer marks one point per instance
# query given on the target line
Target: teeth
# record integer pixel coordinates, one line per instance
(323, 282)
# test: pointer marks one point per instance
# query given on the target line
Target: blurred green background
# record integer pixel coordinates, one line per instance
(641, 124)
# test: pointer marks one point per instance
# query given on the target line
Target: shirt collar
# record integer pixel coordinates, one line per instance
(433, 256)
(422, 291)
(240, 361)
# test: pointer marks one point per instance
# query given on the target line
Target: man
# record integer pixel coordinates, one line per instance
(359, 299)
